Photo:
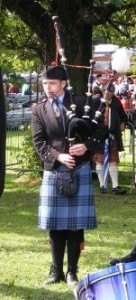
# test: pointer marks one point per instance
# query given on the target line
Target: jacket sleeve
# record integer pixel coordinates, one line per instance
(39, 136)
(121, 112)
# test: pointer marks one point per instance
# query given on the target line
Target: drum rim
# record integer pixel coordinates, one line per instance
(89, 283)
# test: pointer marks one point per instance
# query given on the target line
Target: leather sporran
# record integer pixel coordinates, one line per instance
(66, 183)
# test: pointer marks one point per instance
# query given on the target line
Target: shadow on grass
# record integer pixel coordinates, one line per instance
(25, 293)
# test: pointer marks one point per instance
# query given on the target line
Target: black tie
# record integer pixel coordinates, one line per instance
(59, 111)
(56, 108)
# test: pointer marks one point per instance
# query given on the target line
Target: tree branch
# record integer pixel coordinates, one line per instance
(29, 12)
(102, 13)
(124, 33)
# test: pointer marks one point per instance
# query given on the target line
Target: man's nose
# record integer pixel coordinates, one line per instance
(48, 88)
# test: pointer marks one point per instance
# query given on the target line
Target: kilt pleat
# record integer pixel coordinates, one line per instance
(57, 212)
(113, 154)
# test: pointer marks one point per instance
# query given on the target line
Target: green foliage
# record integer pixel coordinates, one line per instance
(119, 29)
(11, 62)
(27, 32)
(17, 44)
(116, 2)
(28, 158)
(132, 69)
(118, 26)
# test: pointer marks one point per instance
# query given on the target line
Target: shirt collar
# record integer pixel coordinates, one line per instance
(61, 97)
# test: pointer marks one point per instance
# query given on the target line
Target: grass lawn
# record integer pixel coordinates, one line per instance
(24, 250)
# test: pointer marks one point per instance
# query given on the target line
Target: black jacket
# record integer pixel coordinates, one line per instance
(118, 116)
(48, 134)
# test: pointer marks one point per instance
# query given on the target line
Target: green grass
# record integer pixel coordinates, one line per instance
(24, 249)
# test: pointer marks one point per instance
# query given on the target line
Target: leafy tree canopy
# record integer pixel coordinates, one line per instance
(27, 28)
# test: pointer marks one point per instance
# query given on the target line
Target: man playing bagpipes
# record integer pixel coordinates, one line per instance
(65, 138)
(114, 116)
(63, 214)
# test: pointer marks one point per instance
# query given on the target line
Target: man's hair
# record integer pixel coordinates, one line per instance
(110, 88)
(98, 76)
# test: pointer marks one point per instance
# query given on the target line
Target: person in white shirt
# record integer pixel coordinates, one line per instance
(98, 81)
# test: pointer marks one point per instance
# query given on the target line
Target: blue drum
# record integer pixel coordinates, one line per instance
(113, 283)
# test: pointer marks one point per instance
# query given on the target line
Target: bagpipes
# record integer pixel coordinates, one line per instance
(78, 128)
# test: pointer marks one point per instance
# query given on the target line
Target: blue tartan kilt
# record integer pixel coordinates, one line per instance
(57, 212)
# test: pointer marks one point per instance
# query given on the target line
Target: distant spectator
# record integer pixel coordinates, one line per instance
(96, 90)
(131, 84)
(98, 81)
(123, 87)
(26, 89)
(135, 85)
(114, 78)
(13, 88)
(114, 117)
(133, 97)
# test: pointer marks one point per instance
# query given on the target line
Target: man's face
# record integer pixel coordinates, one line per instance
(53, 87)
(107, 95)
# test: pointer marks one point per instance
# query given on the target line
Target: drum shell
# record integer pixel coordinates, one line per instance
(109, 284)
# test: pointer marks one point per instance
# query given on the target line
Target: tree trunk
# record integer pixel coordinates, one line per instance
(79, 52)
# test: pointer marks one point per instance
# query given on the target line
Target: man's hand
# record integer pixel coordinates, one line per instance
(67, 160)
(77, 150)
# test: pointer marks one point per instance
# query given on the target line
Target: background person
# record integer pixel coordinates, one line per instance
(118, 121)
(97, 81)
(26, 89)
(96, 90)
(13, 88)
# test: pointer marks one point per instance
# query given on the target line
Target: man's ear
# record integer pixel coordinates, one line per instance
(64, 83)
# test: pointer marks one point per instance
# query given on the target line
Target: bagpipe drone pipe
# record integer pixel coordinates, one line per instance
(79, 129)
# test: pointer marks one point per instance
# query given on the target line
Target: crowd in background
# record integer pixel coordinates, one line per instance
(125, 86)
